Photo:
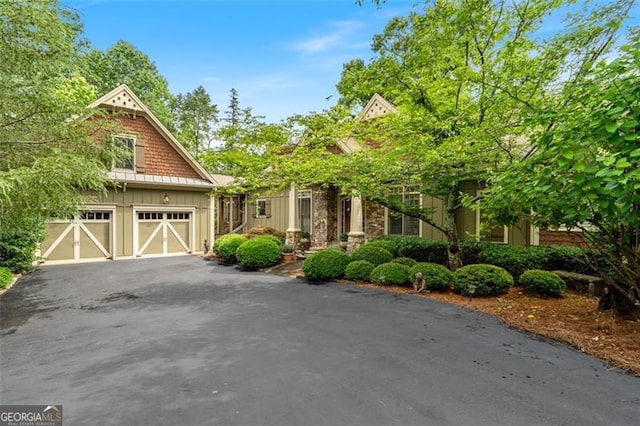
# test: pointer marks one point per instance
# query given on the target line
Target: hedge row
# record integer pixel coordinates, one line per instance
(489, 269)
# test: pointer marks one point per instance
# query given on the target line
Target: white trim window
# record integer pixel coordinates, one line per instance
(402, 224)
(128, 143)
(263, 209)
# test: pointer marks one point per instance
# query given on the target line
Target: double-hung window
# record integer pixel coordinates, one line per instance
(402, 224)
(127, 145)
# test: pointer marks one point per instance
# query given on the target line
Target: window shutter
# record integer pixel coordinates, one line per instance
(267, 208)
(139, 156)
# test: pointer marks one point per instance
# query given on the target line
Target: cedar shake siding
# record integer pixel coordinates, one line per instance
(160, 157)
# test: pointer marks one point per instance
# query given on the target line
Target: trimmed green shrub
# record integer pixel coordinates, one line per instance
(226, 245)
(372, 254)
(390, 274)
(327, 264)
(513, 259)
(543, 283)
(437, 277)
(388, 245)
(489, 280)
(6, 276)
(423, 250)
(470, 251)
(268, 237)
(258, 253)
(407, 261)
(358, 270)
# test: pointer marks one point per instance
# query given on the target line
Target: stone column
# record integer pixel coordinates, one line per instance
(356, 235)
(293, 231)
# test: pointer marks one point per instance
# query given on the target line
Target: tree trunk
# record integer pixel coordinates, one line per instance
(453, 249)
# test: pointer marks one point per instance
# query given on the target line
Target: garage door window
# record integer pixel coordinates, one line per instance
(178, 216)
(95, 216)
(149, 216)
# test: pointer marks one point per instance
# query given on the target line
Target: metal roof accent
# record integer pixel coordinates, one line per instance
(130, 177)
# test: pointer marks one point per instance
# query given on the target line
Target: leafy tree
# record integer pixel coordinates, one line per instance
(465, 76)
(45, 159)
(124, 63)
(196, 118)
(584, 169)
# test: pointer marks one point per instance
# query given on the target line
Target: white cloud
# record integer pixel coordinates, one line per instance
(335, 34)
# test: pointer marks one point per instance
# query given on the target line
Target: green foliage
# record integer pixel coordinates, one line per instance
(359, 270)
(124, 63)
(325, 265)
(196, 117)
(390, 274)
(46, 161)
(288, 248)
(543, 283)
(6, 276)
(226, 245)
(407, 261)
(372, 253)
(258, 253)
(437, 277)
(423, 250)
(388, 245)
(268, 237)
(489, 280)
(583, 170)
(18, 248)
(513, 259)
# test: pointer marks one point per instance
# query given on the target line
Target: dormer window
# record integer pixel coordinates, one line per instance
(127, 143)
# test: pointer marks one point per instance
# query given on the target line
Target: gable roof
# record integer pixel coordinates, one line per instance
(375, 108)
(122, 98)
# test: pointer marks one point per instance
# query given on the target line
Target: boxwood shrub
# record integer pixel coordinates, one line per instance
(513, 259)
(268, 237)
(388, 245)
(390, 274)
(543, 283)
(372, 253)
(489, 280)
(358, 270)
(437, 277)
(226, 245)
(258, 253)
(407, 261)
(327, 264)
(6, 276)
(423, 250)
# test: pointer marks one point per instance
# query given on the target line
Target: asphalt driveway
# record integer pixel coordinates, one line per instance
(181, 341)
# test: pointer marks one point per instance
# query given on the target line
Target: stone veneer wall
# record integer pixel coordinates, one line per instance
(374, 219)
(325, 217)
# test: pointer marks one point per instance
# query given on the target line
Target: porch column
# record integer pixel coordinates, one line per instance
(293, 231)
(231, 215)
(356, 234)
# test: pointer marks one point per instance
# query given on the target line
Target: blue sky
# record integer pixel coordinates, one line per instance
(284, 57)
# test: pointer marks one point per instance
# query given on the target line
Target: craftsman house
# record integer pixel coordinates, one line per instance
(161, 201)
(327, 214)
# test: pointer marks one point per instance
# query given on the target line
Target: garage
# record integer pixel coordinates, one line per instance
(163, 232)
(87, 236)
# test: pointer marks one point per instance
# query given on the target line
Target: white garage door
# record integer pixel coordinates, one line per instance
(163, 233)
(87, 236)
